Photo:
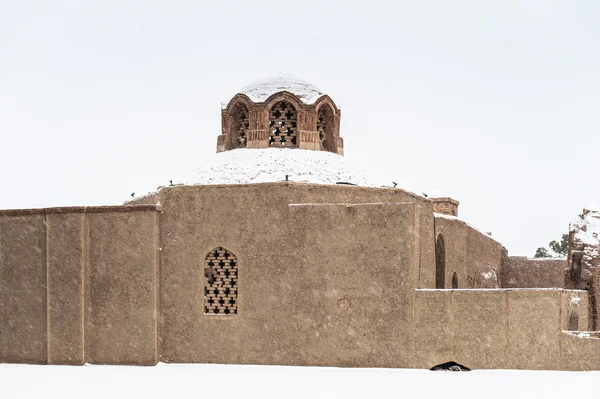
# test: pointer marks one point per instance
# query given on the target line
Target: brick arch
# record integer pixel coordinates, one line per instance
(283, 124)
(325, 126)
(284, 96)
(220, 282)
(238, 125)
(235, 122)
(440, 262)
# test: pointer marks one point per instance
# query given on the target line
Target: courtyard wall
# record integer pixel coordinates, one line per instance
(325, 273)
(524, 272)
(499, 328)
(475, 257)
(79, 285)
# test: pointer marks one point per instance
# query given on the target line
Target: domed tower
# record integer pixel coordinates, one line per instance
(282, 111)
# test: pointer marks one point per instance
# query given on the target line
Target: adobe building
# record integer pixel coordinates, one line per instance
(281, 252)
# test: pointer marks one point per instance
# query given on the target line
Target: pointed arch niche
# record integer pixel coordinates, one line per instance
(239, 126)
(325, 128)
(440, 262)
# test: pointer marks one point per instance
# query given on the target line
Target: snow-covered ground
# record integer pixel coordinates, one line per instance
(242, 382)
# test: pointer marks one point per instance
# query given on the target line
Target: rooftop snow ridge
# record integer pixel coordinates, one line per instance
(260, 90)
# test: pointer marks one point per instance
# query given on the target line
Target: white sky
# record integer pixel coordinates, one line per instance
(493, 103)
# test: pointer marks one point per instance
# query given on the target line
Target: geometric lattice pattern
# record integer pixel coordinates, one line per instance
(243, 123)
(220, 282)
(282, 125)
(322, 127)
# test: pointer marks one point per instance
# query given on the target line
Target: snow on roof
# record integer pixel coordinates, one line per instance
(262, 89)
(243, 166)
(444, 216)
(587, 226)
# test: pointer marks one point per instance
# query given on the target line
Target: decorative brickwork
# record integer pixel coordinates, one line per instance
(445, 205)
(283, 125)
(284, 119)
(220, 282)
(242, 123)
(325, 127)
(322, 127)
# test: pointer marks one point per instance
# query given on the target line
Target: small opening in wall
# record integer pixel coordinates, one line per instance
(241, 125)
(220, 282)
(325, 128)
(576, 259)
(440, 262)
(282, 125)
(450, 366)
(454, 281)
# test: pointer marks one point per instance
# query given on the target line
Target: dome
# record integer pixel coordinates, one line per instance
(262, 89)
(243, 166)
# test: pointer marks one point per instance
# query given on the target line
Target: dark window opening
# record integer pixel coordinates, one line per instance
(454, 281)
(440, 262)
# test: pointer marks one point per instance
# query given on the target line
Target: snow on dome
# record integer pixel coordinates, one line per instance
(243, 166)
(262, 89)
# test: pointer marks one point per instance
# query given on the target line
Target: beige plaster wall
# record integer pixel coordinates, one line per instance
(475, 257)
(23, 289)
(324, 282)
(523, 272)
(494, 328)
(79, 285)
(580, 351)
(257, 197)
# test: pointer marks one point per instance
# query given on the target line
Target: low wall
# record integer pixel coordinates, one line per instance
(497, 328)
(523, 272)
(475, 257)
(581, 351)
(79, 285)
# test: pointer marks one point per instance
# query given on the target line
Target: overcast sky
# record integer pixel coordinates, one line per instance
(495, 104)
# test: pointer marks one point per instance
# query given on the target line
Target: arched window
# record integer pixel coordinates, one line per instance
(454, 281)
(440, 262)
(220, 282)
(325, 127)
(283, 122)
(241, 123)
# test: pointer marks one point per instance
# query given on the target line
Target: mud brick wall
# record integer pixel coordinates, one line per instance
(79, 285)
(475, 257)
(523, 272)
(316, 286)
(497, 328)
